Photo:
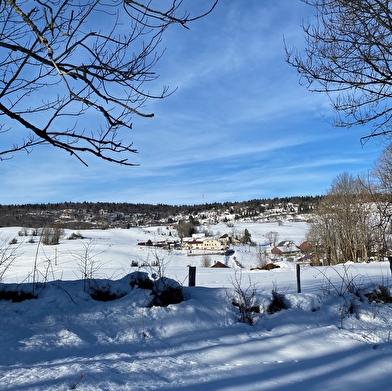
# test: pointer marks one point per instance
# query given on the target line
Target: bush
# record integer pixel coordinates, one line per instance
(261, 258)
(7, 257)
(75, 236)
(166, 291)
(140, 280)
(345, 286)
(380, 295)
(342, 282)
(51, 235)
(16, 296)
(277, 303)
(206, 261)
(243, 297)
(105, 295)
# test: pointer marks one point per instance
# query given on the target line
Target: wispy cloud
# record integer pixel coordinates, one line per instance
(239, 127)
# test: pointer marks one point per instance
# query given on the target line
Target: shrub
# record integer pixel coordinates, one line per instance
(16, 296)
(206, 261)
(277, 303)
(345, 286)
(379, 295)
(342, 282)
(52, 235)
(7, 257)
(261, 258)
(243, 297)
(75, 236)
(105, 295)
(140, 280)
(166, 291)
(157, 266)
(87, 264)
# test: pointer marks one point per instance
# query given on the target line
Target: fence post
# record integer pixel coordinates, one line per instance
(390, 263)
(298, 278)
(192, 276)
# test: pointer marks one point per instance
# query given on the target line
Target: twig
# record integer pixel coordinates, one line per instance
(77, 383)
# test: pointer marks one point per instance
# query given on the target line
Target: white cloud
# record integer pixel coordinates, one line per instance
(239, 127)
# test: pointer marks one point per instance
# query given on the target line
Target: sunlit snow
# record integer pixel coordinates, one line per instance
(65, 340)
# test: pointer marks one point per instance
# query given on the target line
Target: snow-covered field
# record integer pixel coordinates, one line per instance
(65, 340)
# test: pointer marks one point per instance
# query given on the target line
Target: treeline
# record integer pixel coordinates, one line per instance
(38, 215)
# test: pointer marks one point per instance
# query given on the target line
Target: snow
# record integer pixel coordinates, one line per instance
(65, 340)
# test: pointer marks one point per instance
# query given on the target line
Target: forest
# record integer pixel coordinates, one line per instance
(86, 214)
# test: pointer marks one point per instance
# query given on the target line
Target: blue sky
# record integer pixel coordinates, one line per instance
(239, 127)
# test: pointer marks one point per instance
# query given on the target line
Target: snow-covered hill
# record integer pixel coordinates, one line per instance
(329, 338)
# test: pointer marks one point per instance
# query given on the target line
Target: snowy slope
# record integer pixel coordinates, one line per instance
(66, 340)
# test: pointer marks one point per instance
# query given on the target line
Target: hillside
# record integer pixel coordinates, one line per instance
(81, 215)
(328, 337)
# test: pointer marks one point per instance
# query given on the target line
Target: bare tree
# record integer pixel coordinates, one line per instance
(348, 54)
(261, 257)
(206, 260)
(382, 171)
(58, 233)
(87, 265)
(379, 186)
(272, 237)
(343, 226)
(52, 235)
(157, 266)
(8, 255)
(60, 60)
(46, 234)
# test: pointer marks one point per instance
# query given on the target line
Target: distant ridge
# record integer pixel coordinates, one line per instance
(83, 214)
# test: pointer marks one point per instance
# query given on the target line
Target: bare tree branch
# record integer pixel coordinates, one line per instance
(60, 66)
(348, 55)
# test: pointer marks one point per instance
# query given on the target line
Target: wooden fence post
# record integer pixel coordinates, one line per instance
(298, 278)
(192, 276)
(390, 263)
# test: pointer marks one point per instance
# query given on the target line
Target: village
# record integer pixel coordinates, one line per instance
(199, 244)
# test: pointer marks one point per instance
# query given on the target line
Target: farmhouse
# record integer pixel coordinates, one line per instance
(212, 244)
(194, 244)
(285, 249)
(204, 244)
(305, 247)
(225, 239)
